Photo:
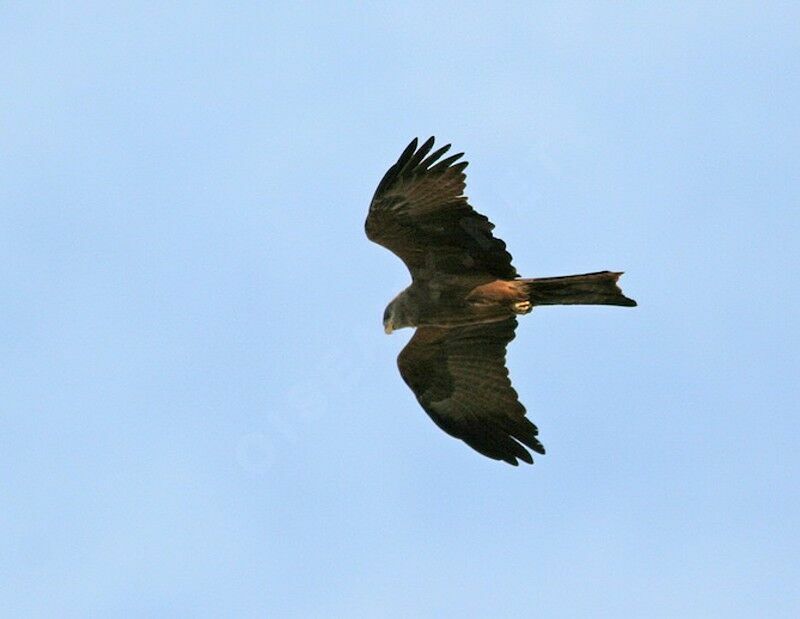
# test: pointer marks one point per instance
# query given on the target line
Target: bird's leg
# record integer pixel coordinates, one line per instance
(522, 307)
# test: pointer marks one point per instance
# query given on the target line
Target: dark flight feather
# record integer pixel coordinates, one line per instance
(459, 377)
(420, 213)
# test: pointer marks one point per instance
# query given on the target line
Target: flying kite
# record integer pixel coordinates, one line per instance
(463, 300)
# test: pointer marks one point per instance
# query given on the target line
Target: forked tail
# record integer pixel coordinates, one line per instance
(587, 289)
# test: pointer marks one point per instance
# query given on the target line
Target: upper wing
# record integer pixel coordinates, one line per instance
(460, 379)
(419, 212)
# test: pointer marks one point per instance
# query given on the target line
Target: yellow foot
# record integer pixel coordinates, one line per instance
(522, 307)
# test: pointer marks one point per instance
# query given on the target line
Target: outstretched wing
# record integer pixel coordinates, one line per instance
(460, 379)
(420, 213)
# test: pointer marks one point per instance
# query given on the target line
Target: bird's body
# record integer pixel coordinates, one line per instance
(446, 303)
(463, 300)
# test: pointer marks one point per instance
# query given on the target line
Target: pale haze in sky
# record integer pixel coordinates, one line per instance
(201, 415)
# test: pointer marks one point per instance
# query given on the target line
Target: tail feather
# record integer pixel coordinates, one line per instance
(587, 289)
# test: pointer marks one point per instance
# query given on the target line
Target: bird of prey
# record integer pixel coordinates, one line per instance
(464, 300)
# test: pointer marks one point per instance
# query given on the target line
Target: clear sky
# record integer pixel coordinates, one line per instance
(201, 415)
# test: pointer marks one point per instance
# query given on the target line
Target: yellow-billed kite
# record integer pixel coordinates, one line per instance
(463, 299)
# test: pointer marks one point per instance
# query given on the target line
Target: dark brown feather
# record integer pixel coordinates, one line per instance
(598, 288)
(459, 377)
(420, 213)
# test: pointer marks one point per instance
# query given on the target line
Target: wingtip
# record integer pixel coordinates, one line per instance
(521, 454)
(415, 142)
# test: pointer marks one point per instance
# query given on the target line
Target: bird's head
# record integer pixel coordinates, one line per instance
(395, 316)
(388, 318)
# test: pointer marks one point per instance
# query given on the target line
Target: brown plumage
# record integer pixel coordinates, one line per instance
(464, 298)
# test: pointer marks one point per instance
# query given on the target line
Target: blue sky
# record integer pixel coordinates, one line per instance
(201, 415)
